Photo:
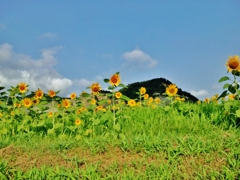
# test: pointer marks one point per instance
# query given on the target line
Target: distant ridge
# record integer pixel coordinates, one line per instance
(154, 87)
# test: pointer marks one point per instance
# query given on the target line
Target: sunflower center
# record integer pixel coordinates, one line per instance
(234, 65)
(114, 79)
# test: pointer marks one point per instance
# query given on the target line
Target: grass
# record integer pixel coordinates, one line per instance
(159, 143)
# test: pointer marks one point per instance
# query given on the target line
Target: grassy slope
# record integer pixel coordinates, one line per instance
(151, 143)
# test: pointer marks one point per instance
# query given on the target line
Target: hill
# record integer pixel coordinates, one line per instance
(155, 87)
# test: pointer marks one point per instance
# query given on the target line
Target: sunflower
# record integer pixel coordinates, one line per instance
(171, 90)
(27, 102)
(50, 114)
(73, 95)
(142, 90)
(95, 88)
(157, 100)
(93, 101)
(115, 80)
(150, 100)
(118, 95)
(51, 93)
(22, 87)
(206, 100)
(39, 94)
(78, 122)
(78, 111)
(132, 102)
(231, 96)
(35, 101)
(145, 96)
(66, 103)
(233, 63)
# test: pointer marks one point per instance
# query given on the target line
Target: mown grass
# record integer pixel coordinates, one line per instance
(150, 143)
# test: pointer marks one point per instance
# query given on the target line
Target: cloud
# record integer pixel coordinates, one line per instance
(5, 52)
(139, 58)
(48, 35)
(200, 94)
(37, 73)
(3, 27)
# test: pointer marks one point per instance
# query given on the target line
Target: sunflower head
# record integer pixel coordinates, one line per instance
(132, 102)
(142, 90)
(27, 102)
(233, 63)
(78, 122)
(118, 95)
(115, 80)
(146, 96)
(95, 88)
(39, 94)
(171, 90)
(51, 93)
(73, 95)
(22, 87)
(66, 103)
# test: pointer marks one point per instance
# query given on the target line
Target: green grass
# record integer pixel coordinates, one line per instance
(181, 141)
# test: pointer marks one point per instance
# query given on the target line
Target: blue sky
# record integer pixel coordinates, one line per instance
(67, 45)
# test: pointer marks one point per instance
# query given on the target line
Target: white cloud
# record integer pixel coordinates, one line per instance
(5, 52)
(39, 73)
(139, 58)
(49, 35)
(200, 94)
(2, 27)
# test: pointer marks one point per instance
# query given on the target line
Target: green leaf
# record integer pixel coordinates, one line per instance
(226, 85)
(110, 87)
(225, 78)
(117, 127)
(96, 121)
(106, 80)
(1, 88)
(122, 85)
(50, 131)
(238, 113)
(238, 92)
(3, 131)
(232, 89)
(3, 177)
(224, 94)
(125, 98)
(167, 108)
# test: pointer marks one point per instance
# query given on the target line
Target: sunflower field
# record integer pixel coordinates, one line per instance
(99, 135)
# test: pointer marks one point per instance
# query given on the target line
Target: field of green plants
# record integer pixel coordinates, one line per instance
(110, 136)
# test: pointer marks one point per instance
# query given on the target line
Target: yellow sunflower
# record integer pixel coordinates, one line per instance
(118, 95)
(231, 96)
(27, 102)
(66, 103)
(51, 93)
(73, 95)
(171, 90)
(95, 88)
(78, 122)
(132, 102)
(233, 63)
(22, 87)
(157, 100)
(115, 80)
(206, 100)
(35, 101)
(142, 90)
(39, 94)
(145, 96)
(93, 101)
